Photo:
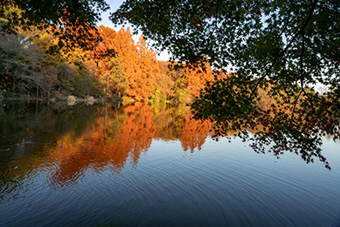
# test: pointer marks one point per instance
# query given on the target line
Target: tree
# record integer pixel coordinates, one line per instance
(115, 74)
(137, 64)
(74, 18)
(25, 63)
(197, 77)
(127, 52)
(237, 32)
(288, 42)
(109, 65)
(149, 68)
(284, 48)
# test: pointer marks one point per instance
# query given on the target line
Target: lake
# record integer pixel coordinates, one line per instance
(151, 166)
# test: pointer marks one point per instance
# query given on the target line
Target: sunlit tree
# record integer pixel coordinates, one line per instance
(197, 77)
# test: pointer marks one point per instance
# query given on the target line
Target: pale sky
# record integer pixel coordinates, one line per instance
(114, 5)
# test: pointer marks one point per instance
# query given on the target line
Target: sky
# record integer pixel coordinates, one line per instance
(114, 5)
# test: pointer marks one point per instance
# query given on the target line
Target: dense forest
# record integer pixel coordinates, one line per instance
(37, 63)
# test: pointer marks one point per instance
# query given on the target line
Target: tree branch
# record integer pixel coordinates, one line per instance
(294, 108)
(301, 31)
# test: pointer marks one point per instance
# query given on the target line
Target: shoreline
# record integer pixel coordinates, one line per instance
(69, 100)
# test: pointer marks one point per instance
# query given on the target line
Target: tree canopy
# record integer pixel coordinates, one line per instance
(73, 20)
(276, 39)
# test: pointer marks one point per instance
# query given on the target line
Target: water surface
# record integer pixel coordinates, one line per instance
(146, 166)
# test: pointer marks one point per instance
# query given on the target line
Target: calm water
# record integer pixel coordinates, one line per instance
(147, 166)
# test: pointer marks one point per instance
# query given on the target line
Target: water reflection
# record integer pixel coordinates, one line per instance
(29, 134)
(113, 138)
(87, 165)
(194, 133)
(67, 142)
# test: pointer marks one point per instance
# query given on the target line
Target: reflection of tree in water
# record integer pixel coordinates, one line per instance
(163, 120)
(98, 147)
(10, 184)
(194, 133)
(176, 122)
(280, 119)
(138, 131)
(28, 130)
(112, 137)
(67, 143)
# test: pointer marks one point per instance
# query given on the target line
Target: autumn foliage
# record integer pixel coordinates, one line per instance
(48, 61)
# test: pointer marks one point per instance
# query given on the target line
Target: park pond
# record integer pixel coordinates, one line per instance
(141, 165)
